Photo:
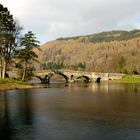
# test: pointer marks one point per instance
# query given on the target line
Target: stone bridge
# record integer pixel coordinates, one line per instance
(72, 76)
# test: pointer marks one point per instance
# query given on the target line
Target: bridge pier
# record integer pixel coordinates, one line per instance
(71, 79)
(45, 81)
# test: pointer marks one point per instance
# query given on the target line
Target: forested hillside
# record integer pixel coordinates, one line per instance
(115, 51)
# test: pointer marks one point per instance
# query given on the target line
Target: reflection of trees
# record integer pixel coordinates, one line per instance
(5, 124)
(131, 88)
(28, 108)
(2, 106)
(15, 111)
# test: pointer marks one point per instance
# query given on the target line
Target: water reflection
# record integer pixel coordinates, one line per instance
(15, 111)
(74, 112)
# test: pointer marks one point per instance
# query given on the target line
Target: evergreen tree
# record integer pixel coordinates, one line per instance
(27, 55)
(9, 32)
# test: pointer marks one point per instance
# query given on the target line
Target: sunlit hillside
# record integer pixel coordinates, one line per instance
(115, 51)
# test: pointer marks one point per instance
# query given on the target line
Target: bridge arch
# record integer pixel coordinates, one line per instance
(61, 74)
(40, 78)
(86, 78)
(98, 80)
(45, 79)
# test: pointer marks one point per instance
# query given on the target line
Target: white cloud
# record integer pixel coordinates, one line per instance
(51, 19)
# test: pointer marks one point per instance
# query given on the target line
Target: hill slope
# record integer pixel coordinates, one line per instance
(115, 51)
(108, 36)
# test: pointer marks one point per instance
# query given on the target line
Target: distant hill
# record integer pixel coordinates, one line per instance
(108, 36)
(114, 51)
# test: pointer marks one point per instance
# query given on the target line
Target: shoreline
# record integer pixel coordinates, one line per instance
(9, 84)
(128, 79)
(12, 86)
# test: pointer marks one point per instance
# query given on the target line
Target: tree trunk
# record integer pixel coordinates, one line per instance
(3, 69)
(24, 72)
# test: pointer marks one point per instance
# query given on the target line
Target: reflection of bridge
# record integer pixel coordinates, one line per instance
(72, 76)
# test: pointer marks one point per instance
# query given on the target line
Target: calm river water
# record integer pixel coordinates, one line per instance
(73, 112)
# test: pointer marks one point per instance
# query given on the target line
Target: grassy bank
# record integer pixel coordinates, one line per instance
(129, 79)
(13, 84)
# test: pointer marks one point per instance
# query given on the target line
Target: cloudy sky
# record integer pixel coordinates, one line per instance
(51, 19)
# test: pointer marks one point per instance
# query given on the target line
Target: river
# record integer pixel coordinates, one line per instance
(77, 111)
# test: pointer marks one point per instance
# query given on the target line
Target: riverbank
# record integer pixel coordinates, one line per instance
(128, 79)
(8, 83)
(13, 84)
